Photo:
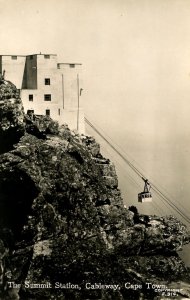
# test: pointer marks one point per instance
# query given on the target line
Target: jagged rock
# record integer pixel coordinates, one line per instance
(62, 220)
(40, 126)
(12, 126)
(92, 146)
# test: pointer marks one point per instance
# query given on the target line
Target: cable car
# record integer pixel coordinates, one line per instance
(146, 195)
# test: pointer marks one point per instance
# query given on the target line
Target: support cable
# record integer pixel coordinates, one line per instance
(140, 174)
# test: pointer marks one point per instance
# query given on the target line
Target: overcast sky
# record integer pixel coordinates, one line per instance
(136, 60)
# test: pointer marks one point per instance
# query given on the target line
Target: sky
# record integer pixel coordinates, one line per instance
(136, 78)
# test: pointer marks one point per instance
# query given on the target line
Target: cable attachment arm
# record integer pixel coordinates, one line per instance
(147, 185)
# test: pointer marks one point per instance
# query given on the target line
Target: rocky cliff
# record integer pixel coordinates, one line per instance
(64, 231)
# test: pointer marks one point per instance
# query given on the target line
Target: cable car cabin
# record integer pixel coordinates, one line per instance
(146, 195)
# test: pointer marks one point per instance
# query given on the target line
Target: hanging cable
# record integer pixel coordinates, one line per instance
(134, 182)
(140, 174)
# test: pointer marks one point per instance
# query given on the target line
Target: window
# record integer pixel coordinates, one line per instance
(14, 57)
(72, 65)
(47, 112)
(47, 97)
(47, 81)
(30, 112)
(47, 56)
(30, 97)
(31, 56)
(59, 111)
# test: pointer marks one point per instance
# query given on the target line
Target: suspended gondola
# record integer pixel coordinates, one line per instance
(146, 195)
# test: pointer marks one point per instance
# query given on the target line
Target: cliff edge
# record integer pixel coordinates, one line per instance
(64, 231)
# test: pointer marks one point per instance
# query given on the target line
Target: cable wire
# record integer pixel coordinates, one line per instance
(140, 174)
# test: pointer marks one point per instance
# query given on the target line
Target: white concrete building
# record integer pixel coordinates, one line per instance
(47, 87)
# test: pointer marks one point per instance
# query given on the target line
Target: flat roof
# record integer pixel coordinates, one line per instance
(12, 55)
(41, 54)
(69, 63)
(27, 54)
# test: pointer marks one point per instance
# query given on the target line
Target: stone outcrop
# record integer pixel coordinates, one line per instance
(63, 225)
(11, 116)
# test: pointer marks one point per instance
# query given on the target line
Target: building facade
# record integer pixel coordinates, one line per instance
(47, 87)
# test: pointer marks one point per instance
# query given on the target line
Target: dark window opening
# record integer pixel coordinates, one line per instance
(30, 112)
(47, 81)
(30, 97)
(59, 111)
(47, 112)
(46, 56)
(72, 65)
(47, 97)
(14, 57)
(31, 56)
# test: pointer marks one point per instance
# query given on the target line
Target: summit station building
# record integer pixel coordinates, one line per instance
(47, 87)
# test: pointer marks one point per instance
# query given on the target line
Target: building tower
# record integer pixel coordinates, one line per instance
(47, 87)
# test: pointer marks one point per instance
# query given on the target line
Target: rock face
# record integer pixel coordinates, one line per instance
(11, 116)
(64, 231)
